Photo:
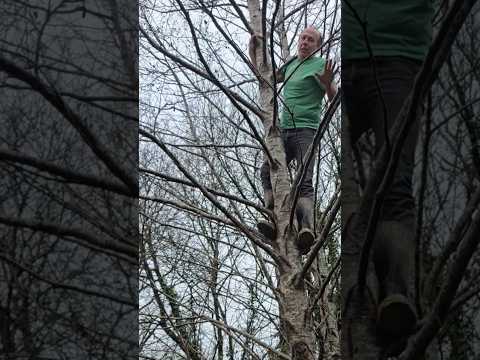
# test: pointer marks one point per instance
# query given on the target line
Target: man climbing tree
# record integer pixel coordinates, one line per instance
(383, 46)
(214, 287)
(210, 89)
(307, 78)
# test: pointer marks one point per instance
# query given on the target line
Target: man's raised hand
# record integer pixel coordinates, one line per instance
(326, 77)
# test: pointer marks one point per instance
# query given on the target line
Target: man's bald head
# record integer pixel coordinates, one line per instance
(314, 32)
(309, 41)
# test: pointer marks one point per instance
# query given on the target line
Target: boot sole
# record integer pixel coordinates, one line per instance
(305, 241)
(267, 229)
(396, 316)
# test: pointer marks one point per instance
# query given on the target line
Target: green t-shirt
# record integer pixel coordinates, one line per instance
(302, 93)
(394, 28)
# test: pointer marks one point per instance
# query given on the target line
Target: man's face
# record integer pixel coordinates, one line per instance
(308, 42)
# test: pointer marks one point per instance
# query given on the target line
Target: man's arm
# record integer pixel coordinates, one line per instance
(252, 50)
(326, 80)
(252, 53)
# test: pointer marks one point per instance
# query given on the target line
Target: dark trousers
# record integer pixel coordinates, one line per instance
(364, 109)
(394, 247)
(296, 143)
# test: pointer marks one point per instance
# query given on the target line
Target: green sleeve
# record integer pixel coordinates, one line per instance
(283, 68)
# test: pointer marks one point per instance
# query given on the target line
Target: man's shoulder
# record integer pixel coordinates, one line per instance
(312, 66)
(306, 68)
(319, 62)
(290, 61)
(315, 63)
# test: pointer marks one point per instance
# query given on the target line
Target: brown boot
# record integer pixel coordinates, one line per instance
(267, 228)
(304, 212)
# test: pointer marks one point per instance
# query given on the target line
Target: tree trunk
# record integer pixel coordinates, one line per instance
(293, 306)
